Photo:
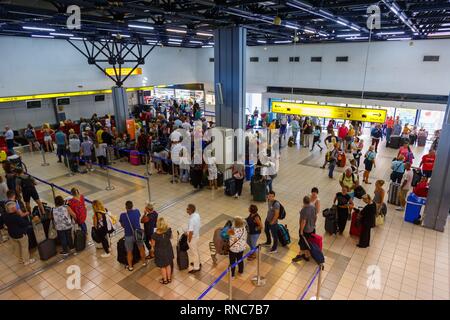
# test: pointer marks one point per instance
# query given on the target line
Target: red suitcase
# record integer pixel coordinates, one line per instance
(355, 229)
(315, 238)
(342, 159)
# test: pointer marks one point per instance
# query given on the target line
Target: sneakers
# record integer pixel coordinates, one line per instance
(129, 268)
(297, 258)
(399, 208)
(31, 261)
(236, 196)
(105, 255)
(273, 251)
(194, 271)
(64, 254)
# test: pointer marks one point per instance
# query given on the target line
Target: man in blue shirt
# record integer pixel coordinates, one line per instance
(130, 221)
(9, 137)
(61, 143)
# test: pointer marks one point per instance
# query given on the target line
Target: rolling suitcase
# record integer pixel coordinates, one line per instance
(259, 190)
(355, 226)
(342, 160)
(393, 193)
(196, 177)
(394, 142)
(230, 187)
(122, 253)
(283, 235)
(417, 175)
(315, 238)
(421, 141)
(330, 220)
(182, 255)
(315, 251)
(39, 232)
(47, 249)
(79, 240)
(219, 179)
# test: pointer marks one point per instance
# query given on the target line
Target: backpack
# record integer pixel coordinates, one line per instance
(343, 177)
(282, 214)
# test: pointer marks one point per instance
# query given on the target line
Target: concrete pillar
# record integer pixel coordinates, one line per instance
(120, 103)
(229, 76)
(438, 200)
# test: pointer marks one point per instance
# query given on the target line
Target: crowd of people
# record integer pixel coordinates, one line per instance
(156, 140)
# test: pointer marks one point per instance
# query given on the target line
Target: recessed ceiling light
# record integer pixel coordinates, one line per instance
(176, 30)
(140, 27)
(61, 34)
(204, 34)
(41, 36)
(176, 40)
(37, 28)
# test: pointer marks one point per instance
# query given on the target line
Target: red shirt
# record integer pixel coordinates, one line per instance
(390, 123)
(342, 132)
(428, 162)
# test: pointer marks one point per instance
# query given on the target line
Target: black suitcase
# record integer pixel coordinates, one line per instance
(417, 175)
(394, 142)
(182, 259)
(330, 220)
(122, 253)
(47, 249)
(79, 239)
(230, 187)
(219, 179)
(259, 190)
(196, 176)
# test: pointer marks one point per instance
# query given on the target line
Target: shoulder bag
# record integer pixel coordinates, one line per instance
(138, 234)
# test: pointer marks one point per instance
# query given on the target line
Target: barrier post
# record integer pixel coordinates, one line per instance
(148, 189)
(258, 280)
(53, 191)
(44, 164)
(319, 283)
(147, 163)
(109, 187)
(230, 284)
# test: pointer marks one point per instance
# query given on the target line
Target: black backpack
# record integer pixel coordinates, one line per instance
(282, 214)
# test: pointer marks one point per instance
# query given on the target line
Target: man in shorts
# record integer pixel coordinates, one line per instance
(130, 221)
(26, 185)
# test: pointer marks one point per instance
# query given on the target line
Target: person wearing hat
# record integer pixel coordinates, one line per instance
(367, 221)
(149, 219)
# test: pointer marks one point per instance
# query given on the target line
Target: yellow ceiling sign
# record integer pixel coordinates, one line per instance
(123, 71)
(327, 111)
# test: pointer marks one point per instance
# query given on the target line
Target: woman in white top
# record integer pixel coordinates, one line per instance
(238, 243)
(315, 201)
(212, 172)
(3, 189)
(62, 219)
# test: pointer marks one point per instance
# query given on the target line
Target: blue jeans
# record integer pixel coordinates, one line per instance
(269, 185)
(331, 167)
(65, 236)
(271, 231)
(10, 145)
(252, 240)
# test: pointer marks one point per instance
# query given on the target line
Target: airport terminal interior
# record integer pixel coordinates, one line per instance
(140, 140)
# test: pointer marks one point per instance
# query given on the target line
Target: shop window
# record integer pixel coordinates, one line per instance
(431, 120)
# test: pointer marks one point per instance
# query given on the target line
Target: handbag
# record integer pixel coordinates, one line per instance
(379, 220)
(138, 234)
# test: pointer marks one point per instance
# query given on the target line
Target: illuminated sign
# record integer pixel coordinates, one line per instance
(328, 111)
(123, 71)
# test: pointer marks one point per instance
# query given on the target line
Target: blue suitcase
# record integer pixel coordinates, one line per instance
(283, 235)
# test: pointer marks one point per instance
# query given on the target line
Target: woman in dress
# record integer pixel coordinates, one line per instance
(162, 250)
(367, 220)
(48, 137)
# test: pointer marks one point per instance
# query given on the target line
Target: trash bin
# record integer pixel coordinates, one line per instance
(414, 205)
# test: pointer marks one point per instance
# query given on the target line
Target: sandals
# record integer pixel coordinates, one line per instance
(129, 268)
(162, 281)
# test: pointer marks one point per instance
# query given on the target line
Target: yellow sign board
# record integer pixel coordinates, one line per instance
(327, 111)
(123, 71)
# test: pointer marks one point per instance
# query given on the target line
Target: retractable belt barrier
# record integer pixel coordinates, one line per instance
(318, 273)
(228, 271)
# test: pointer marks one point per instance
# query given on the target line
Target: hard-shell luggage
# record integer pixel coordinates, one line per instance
(394, 142)
(421, 141)
(134, 158)
(79, 239)
(230, 187)
(315, 238)
(330, 220)
(47, 249)
(342, 160)
(39, 232)
(122, 253)
(355, 226)
(182, 255)
(283, 235)
(393, 193)
(259, 190)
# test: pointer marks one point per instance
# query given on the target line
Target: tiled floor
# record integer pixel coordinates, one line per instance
(412, 262)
